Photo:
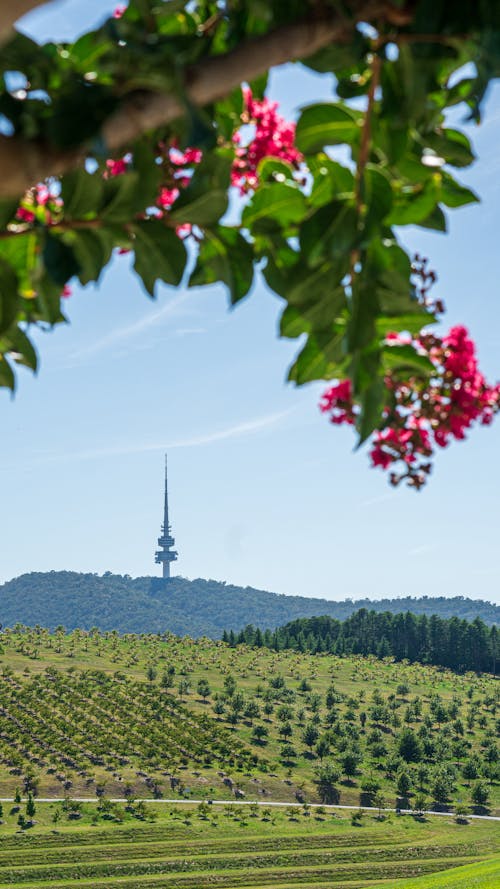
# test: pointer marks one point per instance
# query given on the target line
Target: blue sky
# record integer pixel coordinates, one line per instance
(263, 491)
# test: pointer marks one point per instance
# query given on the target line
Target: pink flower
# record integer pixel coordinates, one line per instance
(397, 339)
(66, 292)
(25, 215)
(119, 10)
(422, 414)
(167, 197)
(274, 137)
(182, 231)
(184, 158)
(379, 457)
(116, 168)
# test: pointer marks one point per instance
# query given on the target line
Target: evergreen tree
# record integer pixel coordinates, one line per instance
(409, 746)
(30, 808)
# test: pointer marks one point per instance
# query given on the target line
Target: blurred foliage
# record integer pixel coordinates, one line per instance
(327, 240)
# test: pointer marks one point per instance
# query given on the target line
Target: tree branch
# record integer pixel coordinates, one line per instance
(11, 12)
(25, 163)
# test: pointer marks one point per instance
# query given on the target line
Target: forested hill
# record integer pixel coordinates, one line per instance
(187, 607)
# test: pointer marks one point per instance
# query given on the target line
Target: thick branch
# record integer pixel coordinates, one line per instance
(23, 163)
(11, 12)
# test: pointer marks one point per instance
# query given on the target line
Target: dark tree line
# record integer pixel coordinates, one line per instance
(454, 643)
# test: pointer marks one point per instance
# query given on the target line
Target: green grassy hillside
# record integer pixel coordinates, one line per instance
(483, 875)
(227, 847)
(197, 607)
(85, 714)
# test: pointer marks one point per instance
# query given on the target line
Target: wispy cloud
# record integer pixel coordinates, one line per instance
(238, 430)
(121, 335)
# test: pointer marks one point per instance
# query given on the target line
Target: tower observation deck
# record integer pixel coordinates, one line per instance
(166, 553)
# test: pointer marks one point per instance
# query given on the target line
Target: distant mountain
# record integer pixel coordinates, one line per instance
(188, 607)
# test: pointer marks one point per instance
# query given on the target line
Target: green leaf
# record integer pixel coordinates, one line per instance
(159, 254)
(435, 220)
(403, 324)
(322, 125)
(20, 252)
(330, 180)
(205, 199)
(226, 256)
(391, 278)
(453, 194)
(372, 403)
(377, 195)
(411, 205)
(22, 348)
(121, 198)
(82, 194)
(318, 296)
(59, 260)
(204, 210)
(92, 249)
(149, 173)
(452, 145)
(330, 232)
(9, 301)
(321, 358)
(272, 169)
(364, 310)
(274, 206)
(292, 323)
(7, 378)
(228, 113)
(395, 357)
(48, 301)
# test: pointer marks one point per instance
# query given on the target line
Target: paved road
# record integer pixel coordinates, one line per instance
(246, 802)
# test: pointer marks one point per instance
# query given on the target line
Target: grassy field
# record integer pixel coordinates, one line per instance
(483, 875)
(238, 847)
(91, 714)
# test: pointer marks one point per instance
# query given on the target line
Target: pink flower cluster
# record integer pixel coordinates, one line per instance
(423, 413)
(117, 167)
(39, 203)
(178, 165)
(338, 402)
(273, 137)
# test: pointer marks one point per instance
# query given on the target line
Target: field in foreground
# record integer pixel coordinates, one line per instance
(483, 875)
(239, 847)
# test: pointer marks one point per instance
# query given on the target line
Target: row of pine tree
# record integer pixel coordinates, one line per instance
(460, 645)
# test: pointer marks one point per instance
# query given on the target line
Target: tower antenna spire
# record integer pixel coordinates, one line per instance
(166, 554)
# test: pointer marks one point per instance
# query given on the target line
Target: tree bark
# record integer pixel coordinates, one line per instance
(11, 12)
(25, 163)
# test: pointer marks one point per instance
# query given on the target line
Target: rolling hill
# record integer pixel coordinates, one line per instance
(188, 607)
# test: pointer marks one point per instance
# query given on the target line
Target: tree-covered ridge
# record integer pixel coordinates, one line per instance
(453, 643)
(194, 607)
